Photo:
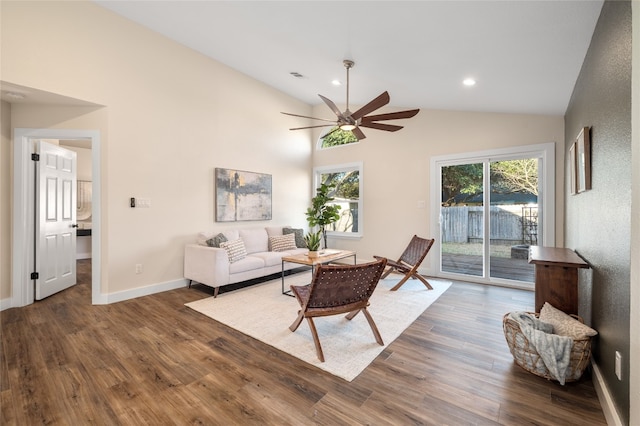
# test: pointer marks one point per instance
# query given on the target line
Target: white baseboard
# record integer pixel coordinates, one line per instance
(142, 291)
(5, 304)
(606, 400)
(104, 299)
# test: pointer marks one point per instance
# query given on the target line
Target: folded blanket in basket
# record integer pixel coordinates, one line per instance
(555, 350)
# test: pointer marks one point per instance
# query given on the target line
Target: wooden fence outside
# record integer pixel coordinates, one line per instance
(464, 224)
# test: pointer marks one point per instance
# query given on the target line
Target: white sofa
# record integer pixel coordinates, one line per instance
(217, 266)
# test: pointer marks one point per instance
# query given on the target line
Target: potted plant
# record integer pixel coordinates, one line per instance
(312, 240)
(321, 213)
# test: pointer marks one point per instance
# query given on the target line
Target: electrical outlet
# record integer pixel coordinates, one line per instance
(618, 365)
(138, 268)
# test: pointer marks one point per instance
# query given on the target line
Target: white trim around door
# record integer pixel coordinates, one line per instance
(546, 156)
(24, 211)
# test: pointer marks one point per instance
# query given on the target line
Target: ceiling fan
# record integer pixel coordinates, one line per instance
(352, 121)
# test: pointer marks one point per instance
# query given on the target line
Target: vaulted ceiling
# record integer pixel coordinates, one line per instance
(524, 55)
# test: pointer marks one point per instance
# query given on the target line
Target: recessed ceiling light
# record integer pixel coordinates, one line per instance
(336, 82)
(469, 82)
(15, 95)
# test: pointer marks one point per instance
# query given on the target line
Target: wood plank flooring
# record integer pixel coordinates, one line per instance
(153, 361)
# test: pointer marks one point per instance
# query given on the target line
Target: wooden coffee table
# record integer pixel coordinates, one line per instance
(326, 256)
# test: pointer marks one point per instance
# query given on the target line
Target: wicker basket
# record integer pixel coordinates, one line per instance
(525, 354)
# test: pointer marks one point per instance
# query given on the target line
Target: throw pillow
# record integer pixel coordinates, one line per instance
(563, 324)
(299, 233)
(235, 250)
(215, 241)
(282, 242)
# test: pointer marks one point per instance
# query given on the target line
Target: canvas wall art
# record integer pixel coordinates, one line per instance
(242, 196)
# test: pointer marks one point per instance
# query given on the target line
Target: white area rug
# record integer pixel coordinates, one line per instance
(263, 312)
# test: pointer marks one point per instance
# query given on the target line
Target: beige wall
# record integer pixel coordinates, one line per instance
(170, 117)
(5, 202)
(397, 168)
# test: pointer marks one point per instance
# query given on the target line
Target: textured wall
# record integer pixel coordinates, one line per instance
(598, 222)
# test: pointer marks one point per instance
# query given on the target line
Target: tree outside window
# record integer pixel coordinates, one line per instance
(337, 137)
(345, 181)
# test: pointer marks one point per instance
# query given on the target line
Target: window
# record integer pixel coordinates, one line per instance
(347, 182)
(335, 137)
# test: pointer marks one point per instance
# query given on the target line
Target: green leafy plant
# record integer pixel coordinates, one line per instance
(322, 213)
(312, 240)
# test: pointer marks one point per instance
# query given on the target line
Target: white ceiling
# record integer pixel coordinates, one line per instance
(525, 55)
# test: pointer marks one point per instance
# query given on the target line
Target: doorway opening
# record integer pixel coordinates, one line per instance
(24, 209)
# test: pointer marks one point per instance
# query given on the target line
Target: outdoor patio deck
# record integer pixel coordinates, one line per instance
(501, 267)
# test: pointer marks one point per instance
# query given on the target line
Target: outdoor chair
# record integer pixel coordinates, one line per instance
(338, 289)
(409, 262)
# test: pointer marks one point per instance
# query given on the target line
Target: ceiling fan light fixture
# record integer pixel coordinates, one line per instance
(347, 127)
(348, 121)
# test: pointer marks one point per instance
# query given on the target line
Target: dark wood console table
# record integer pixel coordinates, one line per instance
(556, 271)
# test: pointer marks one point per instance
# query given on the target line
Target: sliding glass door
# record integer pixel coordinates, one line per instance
(489, 213)
(462, 219)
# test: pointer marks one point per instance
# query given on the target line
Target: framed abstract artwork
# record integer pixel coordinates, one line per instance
(242, 196)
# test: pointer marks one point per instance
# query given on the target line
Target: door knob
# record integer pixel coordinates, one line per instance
(75, 225)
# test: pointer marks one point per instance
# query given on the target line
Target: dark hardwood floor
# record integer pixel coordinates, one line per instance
(153, 361)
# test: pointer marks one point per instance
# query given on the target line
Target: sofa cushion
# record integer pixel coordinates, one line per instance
(235, 250)
(563, 324)
(273, 230)
(299, 236)
(215, 241)
(255, 239)
(282, 242)
(203, 237)
(271, 258)
(231, 234)
(249, 263)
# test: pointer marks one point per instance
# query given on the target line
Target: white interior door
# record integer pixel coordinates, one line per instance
(56, 220)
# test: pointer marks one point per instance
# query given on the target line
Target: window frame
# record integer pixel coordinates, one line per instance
(545, 153)
(320, 141)
(337, 168)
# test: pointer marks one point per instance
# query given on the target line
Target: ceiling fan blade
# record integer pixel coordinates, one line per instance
(312, 127)
(333, 106)
(391, 116)
(378, 102)
(305, 116)
(358, 134)
(381, 126)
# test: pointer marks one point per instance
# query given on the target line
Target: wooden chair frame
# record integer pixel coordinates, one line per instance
(410, 261)
(338, 289)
